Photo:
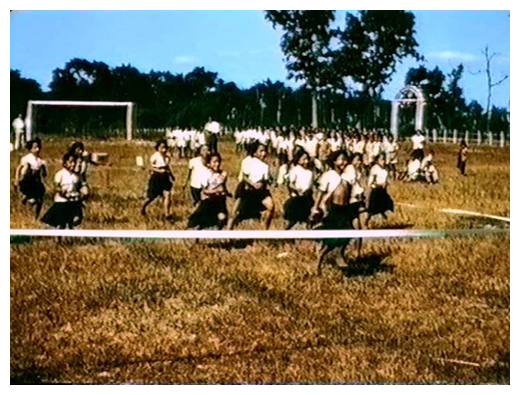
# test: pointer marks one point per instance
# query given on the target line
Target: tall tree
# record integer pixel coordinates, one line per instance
(371, 46)
(22, 90)
(490, 84)
(306, 46)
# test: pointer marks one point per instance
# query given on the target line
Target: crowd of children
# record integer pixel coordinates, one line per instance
(334, 180)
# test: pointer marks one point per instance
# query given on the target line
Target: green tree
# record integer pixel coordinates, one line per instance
(306, 46)
(370, 47)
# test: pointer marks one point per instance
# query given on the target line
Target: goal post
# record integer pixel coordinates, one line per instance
(29, 125)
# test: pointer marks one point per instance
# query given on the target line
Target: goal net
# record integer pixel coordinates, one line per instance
(101, 118)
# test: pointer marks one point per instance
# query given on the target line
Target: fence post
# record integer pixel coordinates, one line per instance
(434, 133)
(490, 138)
(427, 135)
(466, 137)
(479, 137)
(502, 140)
(455, 136)
(445, 136)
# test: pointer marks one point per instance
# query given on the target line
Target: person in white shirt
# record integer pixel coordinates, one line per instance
(19, 133)
(297, 209)
(182, 142)
(29, 176)
(254, 197)
(379, 201)
(418, 145)
(170, 138)
(333, 200)
(283, 169)
(161, 179)
(311, 146)
(212, 130)
(197, 171)
(429, 171)
(352, 176)
(66, 212)
(390, 149)
(412, 172)
(211, 210)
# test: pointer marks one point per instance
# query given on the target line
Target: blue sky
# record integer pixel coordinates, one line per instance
(240, 45)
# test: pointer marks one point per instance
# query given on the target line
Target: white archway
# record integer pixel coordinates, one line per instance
(409, 94)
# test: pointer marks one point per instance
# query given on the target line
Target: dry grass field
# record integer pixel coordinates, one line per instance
(420, 310)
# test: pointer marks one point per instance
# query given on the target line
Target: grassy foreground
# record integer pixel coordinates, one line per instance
(165, 311)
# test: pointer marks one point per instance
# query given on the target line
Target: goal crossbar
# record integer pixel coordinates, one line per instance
(31, 103)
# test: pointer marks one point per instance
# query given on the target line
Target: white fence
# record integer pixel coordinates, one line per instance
(497, 139)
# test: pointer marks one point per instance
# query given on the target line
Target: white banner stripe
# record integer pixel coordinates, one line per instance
(254, 234)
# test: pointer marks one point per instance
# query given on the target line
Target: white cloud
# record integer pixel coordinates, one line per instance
(454, 55)
(184, 59)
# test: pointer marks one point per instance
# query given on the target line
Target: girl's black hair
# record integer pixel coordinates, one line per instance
(334, 156)
(199, 149)
(214, 155)
(255, 146)
(67, 156)
(298, 154)
(158, 144)
(356, 155)
(30, 143)
(75, 145)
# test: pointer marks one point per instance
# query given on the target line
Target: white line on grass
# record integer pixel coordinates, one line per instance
(457, 211)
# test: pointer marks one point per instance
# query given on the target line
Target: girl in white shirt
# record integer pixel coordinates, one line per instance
(333, 199)
(196, 172)
(161, 179)
(379, 201)
(297, 208)
(67, 210)
(211, 210)
(29, 175)
(429, 171)
(254, 197)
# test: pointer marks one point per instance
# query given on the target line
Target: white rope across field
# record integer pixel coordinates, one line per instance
(459, 212)
(255, 234)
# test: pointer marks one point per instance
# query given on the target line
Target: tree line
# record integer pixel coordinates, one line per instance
(342, 72)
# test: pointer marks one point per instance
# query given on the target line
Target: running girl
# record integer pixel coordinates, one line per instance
(300, 180)
(29, 174)
(196, 169)
(161, 179)
(211, 210)
(379, 201)
(333, 200)
(253, 196)
(67, 210)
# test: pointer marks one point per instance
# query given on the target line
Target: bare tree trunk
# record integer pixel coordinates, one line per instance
(314, 109)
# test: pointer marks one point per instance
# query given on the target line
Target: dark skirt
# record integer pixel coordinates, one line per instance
(239, 190)
(298, 208)
(380, 201)
(206, 215)
(64, 215)
(196, 195)
(338, 218)
(158, 184)
(31, 186)
(418, 154)
(251, 206)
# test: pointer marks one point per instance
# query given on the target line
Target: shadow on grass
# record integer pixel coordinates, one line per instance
(395, 225)
(368, 265)
(238, 244)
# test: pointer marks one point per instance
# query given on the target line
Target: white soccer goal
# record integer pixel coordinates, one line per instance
(32, 103)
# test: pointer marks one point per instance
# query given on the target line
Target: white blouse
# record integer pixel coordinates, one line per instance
(300, 179)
